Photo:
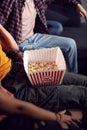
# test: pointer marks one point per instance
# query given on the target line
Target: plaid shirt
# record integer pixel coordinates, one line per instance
(11, 16)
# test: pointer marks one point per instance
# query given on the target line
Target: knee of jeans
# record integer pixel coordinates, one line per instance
(55, 26)
(60, 28)
(72, 44)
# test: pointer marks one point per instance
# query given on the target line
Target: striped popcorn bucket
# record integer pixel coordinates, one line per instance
(46, 77)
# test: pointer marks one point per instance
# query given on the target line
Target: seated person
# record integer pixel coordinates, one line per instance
(66, 13)
(30, 29)
(24, 104)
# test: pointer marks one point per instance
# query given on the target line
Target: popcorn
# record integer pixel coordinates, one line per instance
(38, 66)
(44, 66)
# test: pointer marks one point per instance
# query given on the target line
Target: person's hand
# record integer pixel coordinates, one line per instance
(66, 120)
(77, 115)
(82, 11)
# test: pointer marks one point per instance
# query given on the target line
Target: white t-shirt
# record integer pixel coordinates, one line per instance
(28, 19)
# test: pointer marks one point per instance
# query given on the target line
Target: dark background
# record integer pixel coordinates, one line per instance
(74, 27)
(80, 35)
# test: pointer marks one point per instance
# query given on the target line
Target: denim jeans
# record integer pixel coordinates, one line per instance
(54, 27)
(67, 45)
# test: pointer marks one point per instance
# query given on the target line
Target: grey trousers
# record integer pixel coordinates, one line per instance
(72, 93)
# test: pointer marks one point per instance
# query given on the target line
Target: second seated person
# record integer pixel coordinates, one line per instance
(26, 21)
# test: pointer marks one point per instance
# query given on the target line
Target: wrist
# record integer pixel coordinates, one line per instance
(58, 117)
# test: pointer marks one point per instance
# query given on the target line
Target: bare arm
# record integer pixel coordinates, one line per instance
(10, 105)
(13, 106)
(7, 41)
(82, 11)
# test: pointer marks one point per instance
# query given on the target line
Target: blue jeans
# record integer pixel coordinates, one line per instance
(54, 27)
(67, 45)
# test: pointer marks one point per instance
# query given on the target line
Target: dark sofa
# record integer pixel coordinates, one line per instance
(74, 27)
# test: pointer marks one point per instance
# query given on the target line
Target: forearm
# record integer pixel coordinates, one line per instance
(26, 109)
(8, 41)
(31, 110)
(11, 106)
